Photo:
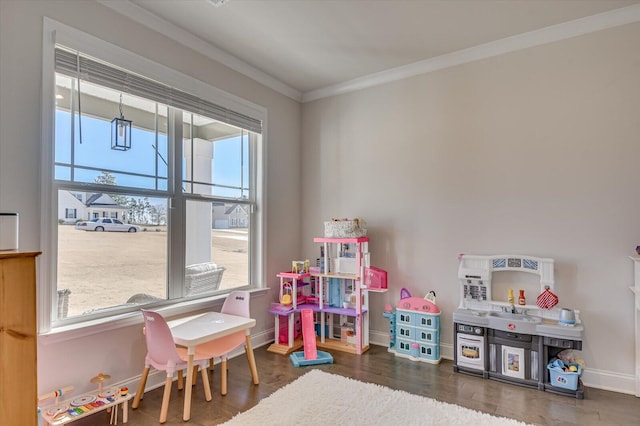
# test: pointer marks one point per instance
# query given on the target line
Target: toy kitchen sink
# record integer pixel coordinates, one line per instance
(501, 340)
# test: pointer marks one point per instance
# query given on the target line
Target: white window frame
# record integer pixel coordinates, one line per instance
(56, 32)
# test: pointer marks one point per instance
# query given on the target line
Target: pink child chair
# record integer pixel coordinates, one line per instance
(237, 303)
(163, 355)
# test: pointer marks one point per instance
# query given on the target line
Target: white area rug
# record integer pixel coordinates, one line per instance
(319, 398)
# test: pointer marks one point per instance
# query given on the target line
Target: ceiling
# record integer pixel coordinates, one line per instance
(302, 47)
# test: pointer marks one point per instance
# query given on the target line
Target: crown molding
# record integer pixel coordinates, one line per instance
(577, 27)
(574, 28)
(143, 17)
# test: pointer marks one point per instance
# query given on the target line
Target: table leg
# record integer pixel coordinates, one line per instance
(187, 391)
(251, 359)
(125, 411)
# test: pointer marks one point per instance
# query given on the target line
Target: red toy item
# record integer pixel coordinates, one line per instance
(375, 277)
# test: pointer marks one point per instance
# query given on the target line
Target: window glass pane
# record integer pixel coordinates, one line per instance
(83, 146)
(217, 246)
(122, 252)
(216, 158)
(114, 234)
(231, 166)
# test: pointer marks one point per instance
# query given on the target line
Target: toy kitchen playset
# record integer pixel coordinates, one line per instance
(501, 336)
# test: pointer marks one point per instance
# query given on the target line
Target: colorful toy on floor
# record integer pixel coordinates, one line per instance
(311, 355)
(414, 327)
(63, 412)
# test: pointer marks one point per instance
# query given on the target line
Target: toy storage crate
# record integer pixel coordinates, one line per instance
(561, 379)
(345, 228)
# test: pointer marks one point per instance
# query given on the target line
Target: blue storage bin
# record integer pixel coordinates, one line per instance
(562, 379)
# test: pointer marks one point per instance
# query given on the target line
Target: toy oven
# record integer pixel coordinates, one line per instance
(470, 347)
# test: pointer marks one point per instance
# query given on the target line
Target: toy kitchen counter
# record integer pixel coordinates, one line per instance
(517, 344)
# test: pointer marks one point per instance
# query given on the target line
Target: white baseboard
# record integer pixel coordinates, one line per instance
(598, 379)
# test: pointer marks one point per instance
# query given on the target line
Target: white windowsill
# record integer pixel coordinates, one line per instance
(89, 328)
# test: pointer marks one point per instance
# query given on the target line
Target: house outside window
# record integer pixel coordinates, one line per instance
(181, 165)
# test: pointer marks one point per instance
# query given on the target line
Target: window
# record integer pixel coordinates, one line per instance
(185, 197)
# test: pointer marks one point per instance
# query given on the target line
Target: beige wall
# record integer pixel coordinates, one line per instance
(533, 152)
(121, 352)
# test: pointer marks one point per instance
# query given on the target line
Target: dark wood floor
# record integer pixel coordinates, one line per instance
(379, 366)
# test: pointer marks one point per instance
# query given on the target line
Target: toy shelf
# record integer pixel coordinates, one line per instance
(375, 290)
(286, 349)
(292, 275)
(341, 240)
(337, 275)
(338, 345)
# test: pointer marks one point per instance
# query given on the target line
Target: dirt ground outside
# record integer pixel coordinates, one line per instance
(104, 269)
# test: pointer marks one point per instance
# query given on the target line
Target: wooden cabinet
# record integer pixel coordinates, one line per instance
(18, 339)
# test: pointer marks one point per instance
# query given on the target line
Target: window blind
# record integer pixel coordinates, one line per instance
(77, 65)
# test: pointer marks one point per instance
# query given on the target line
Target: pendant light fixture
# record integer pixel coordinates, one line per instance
(120, 132)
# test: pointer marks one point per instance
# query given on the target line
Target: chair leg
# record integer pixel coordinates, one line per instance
(223, 375)
(211, 364)
(205, 383)
(165, 398)
(180, 380)
(141, 386)
(252, 360)
(194, 375)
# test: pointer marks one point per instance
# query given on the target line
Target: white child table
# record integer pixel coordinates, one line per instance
(195, 330)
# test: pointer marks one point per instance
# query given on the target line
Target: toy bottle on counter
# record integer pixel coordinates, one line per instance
(510, 298)
(521, 299)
